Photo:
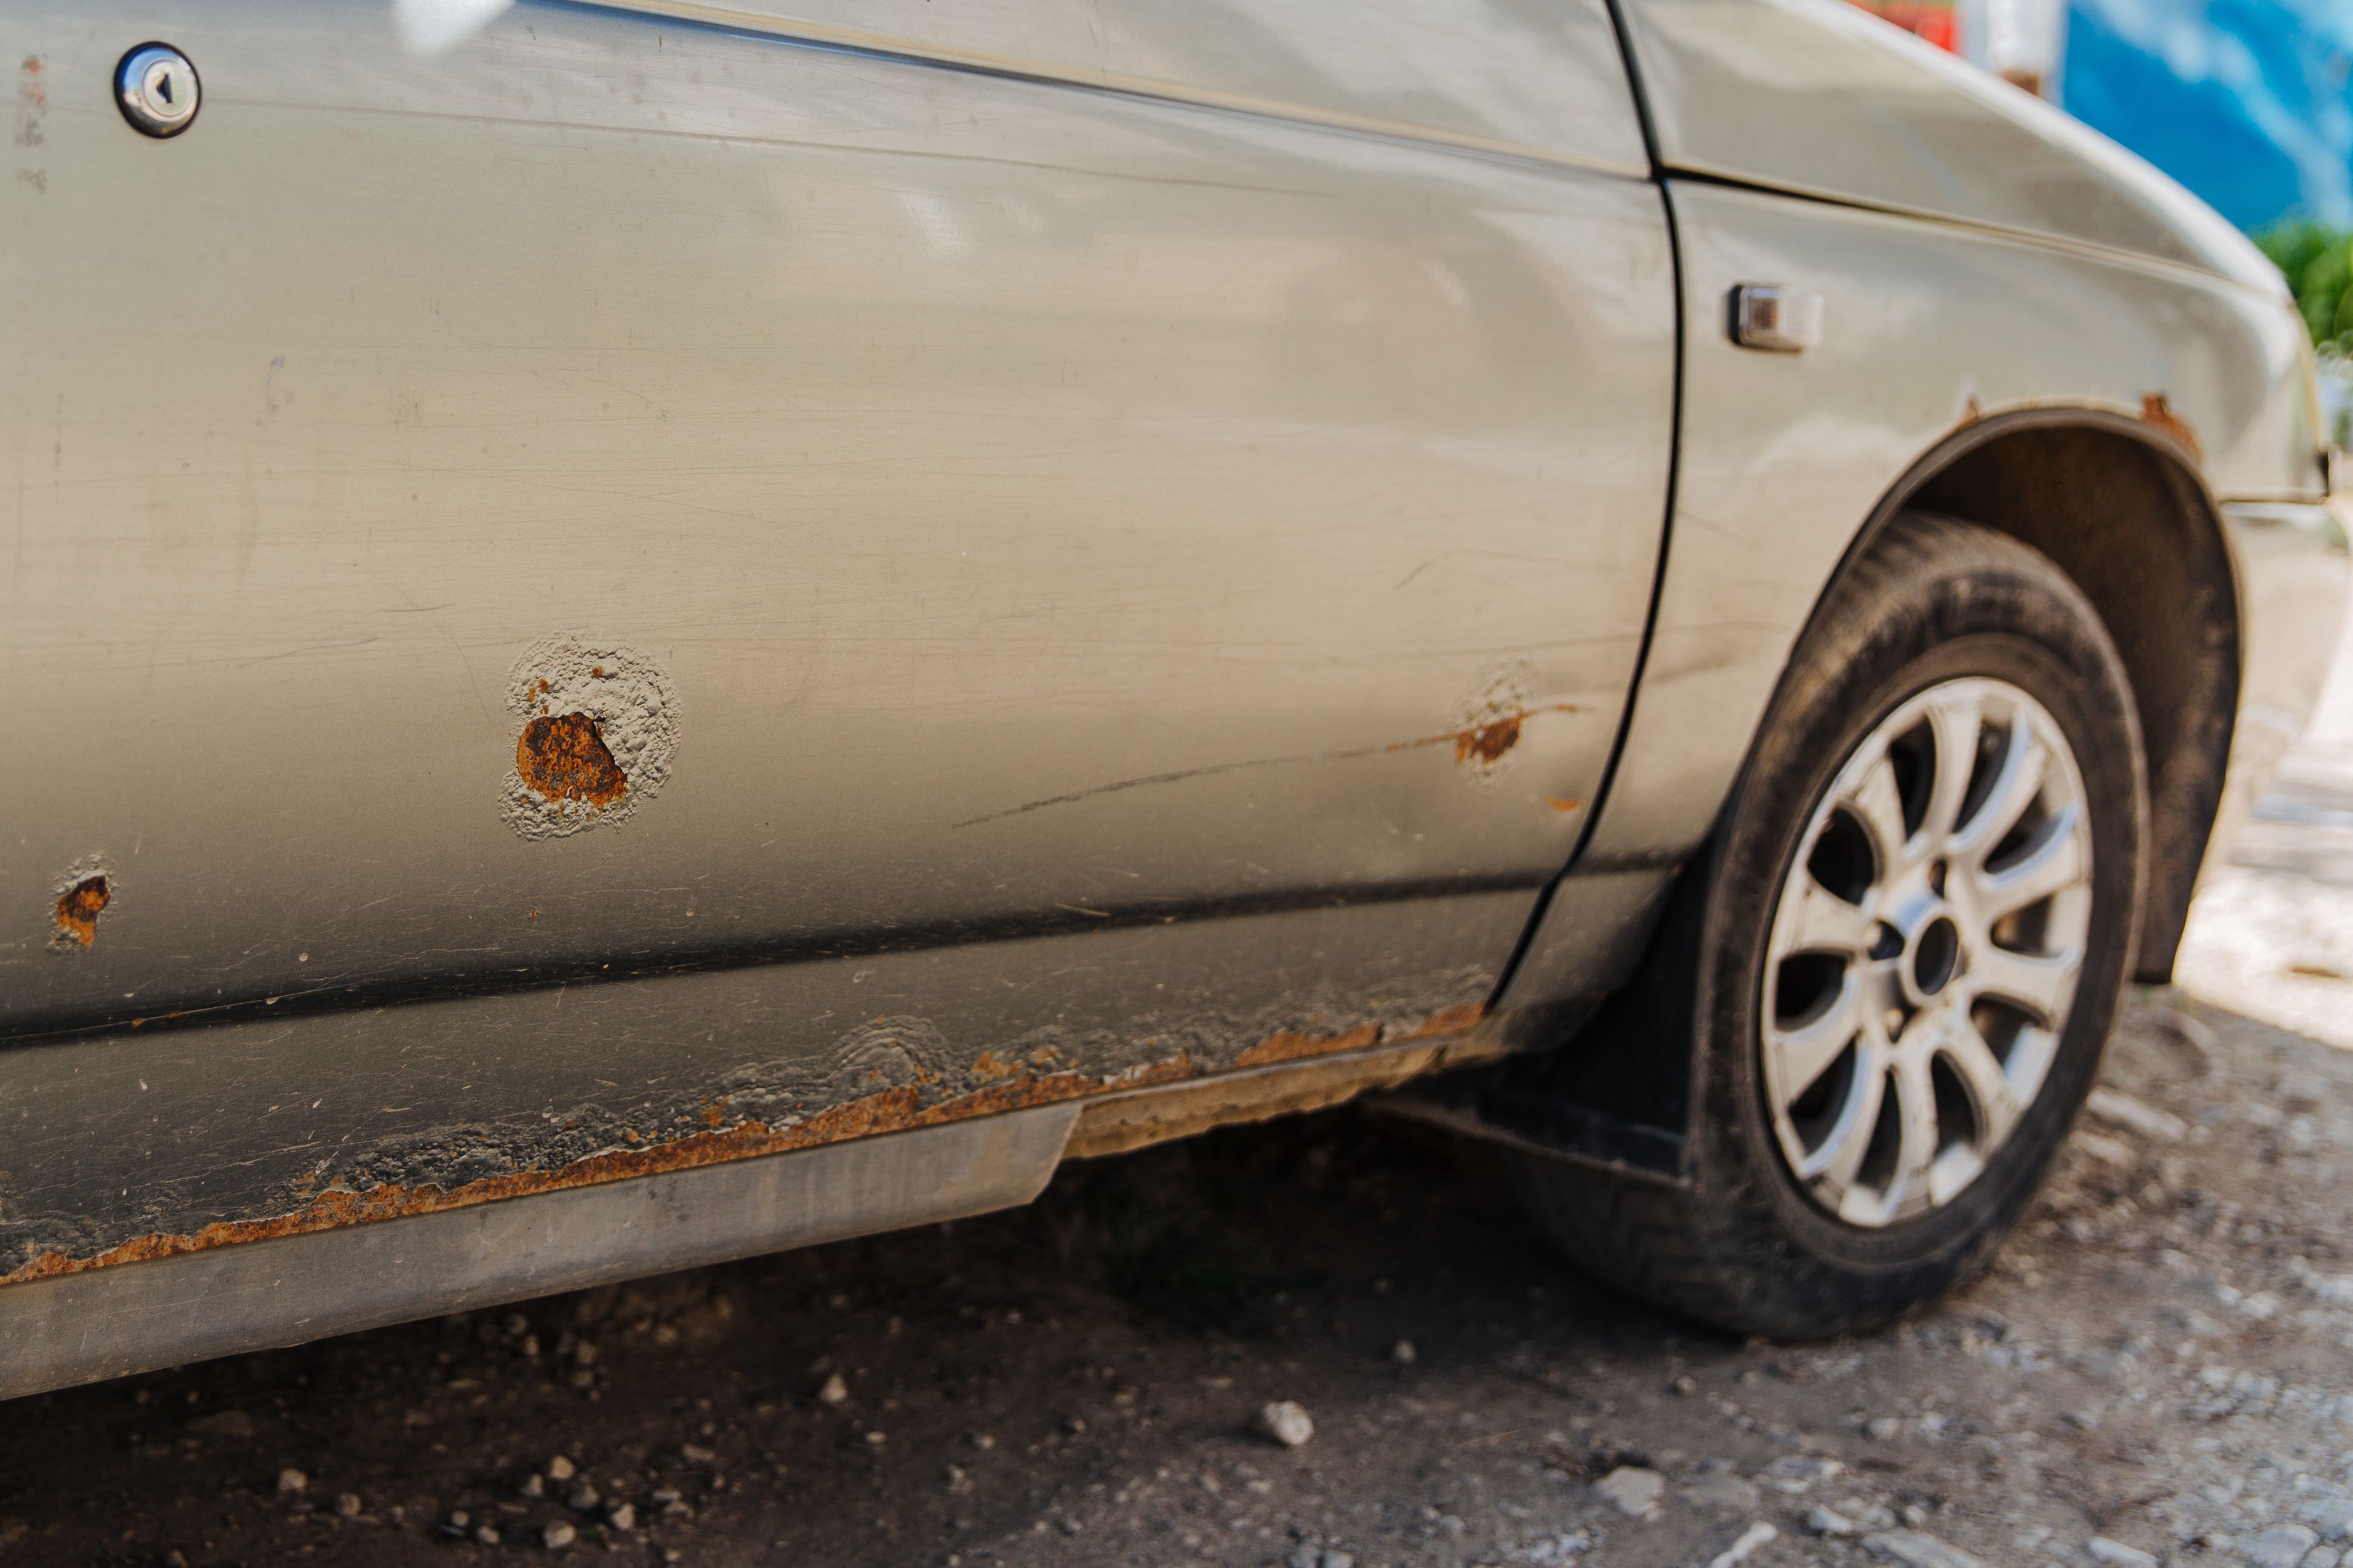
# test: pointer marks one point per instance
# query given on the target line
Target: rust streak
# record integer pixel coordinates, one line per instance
(564, 758)
(890, 1111)
(2157, 411)
(1562, 803)
(77, 910)
(1485, 742)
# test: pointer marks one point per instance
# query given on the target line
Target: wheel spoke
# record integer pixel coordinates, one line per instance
(1956, 717)
(1916, 1100)
(1998, 1108)
(2054, 864)
(2039, 986)
(1803, 1054)
(1880, 805)
(2017, 781)
(1819, 921)
(1841, 1155)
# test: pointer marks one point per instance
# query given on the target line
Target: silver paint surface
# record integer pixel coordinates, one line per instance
(86, 1327)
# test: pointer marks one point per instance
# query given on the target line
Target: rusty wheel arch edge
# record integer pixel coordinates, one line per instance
(2016, 472)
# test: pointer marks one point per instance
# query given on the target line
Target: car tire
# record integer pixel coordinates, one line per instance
(1768, 1234)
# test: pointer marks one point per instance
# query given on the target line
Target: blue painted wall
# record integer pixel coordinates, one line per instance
(2247, 103)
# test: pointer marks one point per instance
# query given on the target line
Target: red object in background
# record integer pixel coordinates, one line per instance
(1929, 20)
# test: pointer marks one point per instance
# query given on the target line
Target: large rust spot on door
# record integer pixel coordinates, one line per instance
(77, 910)
(1488, 742)
(564, 758)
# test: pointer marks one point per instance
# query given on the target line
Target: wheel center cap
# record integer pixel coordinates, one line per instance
(1935, 955)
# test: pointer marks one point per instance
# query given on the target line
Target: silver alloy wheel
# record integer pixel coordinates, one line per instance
(1925, 950)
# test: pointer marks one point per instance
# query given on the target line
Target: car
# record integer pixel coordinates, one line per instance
(643, 633)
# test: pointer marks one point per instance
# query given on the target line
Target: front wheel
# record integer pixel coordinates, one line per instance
(1918, 914)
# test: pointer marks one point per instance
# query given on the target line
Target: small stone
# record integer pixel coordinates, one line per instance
(583, 1354)
(584, 1498)
(1754, 1536)
(1829, 1521)
(1918, 1551)
(1884, 1427)
(958, 1480)
(348, 1504)
(1332, 1559)
(2120, 1110)
(695, 1454)
(533, 1484)
(876, 1439)
(1797, 1473)
(290, 1479)
(2118, 1553)
(1633, 1488)
(582, 1377)
(223, 1423)
(2323, 1557)
(1286, 1423)
(622, 1516)
(488, 1534)
(558, 1536)
(1723, 1491)
(2281, 1546)
(1403, 1353)
(834, 1391)
(2100, 1146)
(1074, 1425)
(459, 1518)
(560, 1468)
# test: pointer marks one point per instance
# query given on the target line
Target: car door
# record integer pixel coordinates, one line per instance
(605, 498)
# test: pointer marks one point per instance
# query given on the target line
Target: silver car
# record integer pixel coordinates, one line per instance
(642, 632)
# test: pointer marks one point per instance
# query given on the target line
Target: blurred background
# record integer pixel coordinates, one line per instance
(2247, 103)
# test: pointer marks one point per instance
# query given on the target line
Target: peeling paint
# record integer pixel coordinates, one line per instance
(907, 1057)
(2156, 411)
(1491, 716)
(599, 726)
(83, 893)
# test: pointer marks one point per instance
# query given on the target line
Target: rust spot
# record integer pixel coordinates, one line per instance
(564, 758)
(531, 914)
(1562, 803)
(1488, 742)
(715, 1114)
(989, 1066)
(77, 910)
(893, 1109)
(1971, 412)
(1289, 1046)
(2157, 411)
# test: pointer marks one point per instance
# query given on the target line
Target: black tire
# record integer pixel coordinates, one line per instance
(1743, 1246)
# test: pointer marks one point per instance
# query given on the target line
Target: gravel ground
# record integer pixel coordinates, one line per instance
(2156, 1371)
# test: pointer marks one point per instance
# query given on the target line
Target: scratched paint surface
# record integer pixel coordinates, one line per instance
(948, 445)
(164, 1138)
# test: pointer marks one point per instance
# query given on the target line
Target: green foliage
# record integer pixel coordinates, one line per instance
(2318, 261)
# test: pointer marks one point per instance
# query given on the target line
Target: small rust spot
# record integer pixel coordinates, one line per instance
(1562, 803)
(2157, 411)
(564, 758)
(1488, 742)
(715, 1113)
(1288, 1046)
(77, 910)
(1971, 412)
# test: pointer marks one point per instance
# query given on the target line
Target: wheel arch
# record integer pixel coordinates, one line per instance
(2119, 505)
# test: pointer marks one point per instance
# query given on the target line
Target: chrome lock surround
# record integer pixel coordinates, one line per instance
(157, 87)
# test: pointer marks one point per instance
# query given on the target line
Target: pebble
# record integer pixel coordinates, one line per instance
(348, 1504)
(488, 1534)
(1403, 1353)
(622, 1516)
(1884, 1427)
(2281, 1546)
(1312, 1556)
(1286, 1423)
(1829, 1521)
(2122, 1109)
(1633, 1488)
(834, 1390)
(1754, 1536)
(558, 1536)
(1918, 1551)
(695, 1454)
(223, 1423)
(1720, 1491)
(290, 1479)
(1796, 1473)
(2100, 1146)
(2116, 1552)
(560, 1468)
(533, 1484)
(584, 1496)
